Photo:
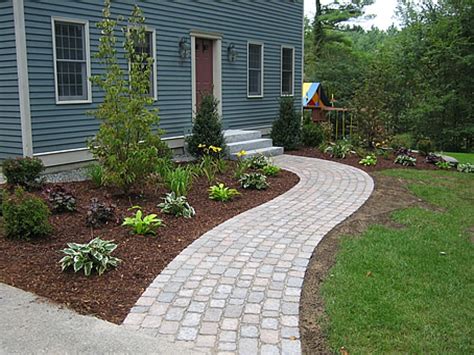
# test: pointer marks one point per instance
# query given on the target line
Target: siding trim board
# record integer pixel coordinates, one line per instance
(23, 85)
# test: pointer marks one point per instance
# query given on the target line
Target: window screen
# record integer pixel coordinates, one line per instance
(287, 71)
(255, 70)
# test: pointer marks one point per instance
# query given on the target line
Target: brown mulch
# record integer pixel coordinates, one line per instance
(353, 159)
(33, 266)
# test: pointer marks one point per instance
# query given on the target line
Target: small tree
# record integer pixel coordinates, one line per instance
(286, 130)
(128, 142)
(207, 128)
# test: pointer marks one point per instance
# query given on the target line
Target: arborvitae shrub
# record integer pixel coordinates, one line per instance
(25, 216)
(207, 128)
(286, 130)
(311, 134)
(24, 172)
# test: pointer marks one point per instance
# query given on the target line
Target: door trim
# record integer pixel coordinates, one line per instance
(216, 67)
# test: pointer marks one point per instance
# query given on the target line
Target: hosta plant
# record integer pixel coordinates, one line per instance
(271, 170)
(99, 214)
(369, 160)
(444, 165)
(466, 168)
(220, 192)
(143, 225)
(93, 256)
(61, 199)
(259, 162)
(405, 160)
(255, 181)
(177, 206)
(340, 149)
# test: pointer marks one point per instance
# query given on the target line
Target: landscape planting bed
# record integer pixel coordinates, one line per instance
(33, 266)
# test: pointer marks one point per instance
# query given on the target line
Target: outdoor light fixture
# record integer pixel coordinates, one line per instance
(184, 48)
(232, 53)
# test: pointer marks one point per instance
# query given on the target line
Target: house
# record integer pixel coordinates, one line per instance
(249, 53)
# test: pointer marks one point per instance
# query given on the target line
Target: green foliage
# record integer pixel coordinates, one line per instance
(95, 173)
(1, 201)
(179, 180)
(25, 216)
(259, 162)
(143, 225)
(61, 199)
(99, 214)
(93, 256)
(128, 142)
(243, 165)
(340, 149)
(222, 193)
(254, 180)
(23, 172)
(385, 154)
(177, 206)
(432, 158)
(312, 134)
(286, 129)
(466, 168)
(207, 128)
(404, 140)
(405, 160)
(444, 165)
(425, 146)
(271, 170)
(369, 160)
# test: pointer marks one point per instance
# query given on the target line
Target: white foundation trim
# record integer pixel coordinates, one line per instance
(23, 85)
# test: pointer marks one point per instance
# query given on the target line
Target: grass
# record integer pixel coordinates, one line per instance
(462, 157)
(409, 290)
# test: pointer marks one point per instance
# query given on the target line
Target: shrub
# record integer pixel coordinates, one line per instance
(259, 161)
(311, 135)
(61, 199)
(207, 127)
(444, 165)
(466, 168)
(99, 214)
(25, 216)
(93, 256)
(128, 142)
(24, 172)
(286, 129)
(255, 181)
(179, 180)
(425, 146)
(340, 149)
(405, 160)
(369, 160)
(432, 158)
(327, 129)
(95, 173)
(271, 170)
(401, 140)
(142, 225)
(222, 193)
(177, 206)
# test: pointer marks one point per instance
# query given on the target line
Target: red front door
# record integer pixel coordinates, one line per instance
(204, 69)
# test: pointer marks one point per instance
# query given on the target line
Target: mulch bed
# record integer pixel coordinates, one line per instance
(33, 266)
(353, 159)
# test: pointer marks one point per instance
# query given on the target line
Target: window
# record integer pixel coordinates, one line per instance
(255, 70)
(287, 71)
(71, 61)
(148, 47)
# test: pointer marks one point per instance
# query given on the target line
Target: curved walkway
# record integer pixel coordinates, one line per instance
(237, 288)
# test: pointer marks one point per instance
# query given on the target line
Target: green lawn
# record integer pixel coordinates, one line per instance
(419, 297)
(462, 157)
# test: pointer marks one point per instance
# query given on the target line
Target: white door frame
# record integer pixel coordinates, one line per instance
(216, 66)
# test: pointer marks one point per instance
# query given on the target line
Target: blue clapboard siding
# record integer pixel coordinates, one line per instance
(275, 23)
(10, 124)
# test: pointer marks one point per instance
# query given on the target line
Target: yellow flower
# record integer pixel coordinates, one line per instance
(201, 146)
(241, 153)
(215, 149)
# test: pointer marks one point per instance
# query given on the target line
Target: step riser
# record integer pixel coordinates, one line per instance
(249, 145)
(268, 152)
(242, 136)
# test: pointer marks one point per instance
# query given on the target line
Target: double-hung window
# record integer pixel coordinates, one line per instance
(71, 61)
(254, 69)
(287, 71)
(148, 47)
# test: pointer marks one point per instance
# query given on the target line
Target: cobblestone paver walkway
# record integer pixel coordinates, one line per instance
(237, 288)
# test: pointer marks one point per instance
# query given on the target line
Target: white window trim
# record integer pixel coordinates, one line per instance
(262, 51)
(155, 66)
(88, 60)
(292, 72)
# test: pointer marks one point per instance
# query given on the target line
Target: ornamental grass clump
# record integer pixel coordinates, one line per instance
(93, 256)
(179, 180)
(177, 206)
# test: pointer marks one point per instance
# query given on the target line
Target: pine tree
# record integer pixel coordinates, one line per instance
(286, 130)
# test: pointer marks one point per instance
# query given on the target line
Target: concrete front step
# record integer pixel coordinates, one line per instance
(238, 135)
(268, 152)
(249, 145)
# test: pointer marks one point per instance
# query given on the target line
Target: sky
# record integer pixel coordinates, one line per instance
(384, 11)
